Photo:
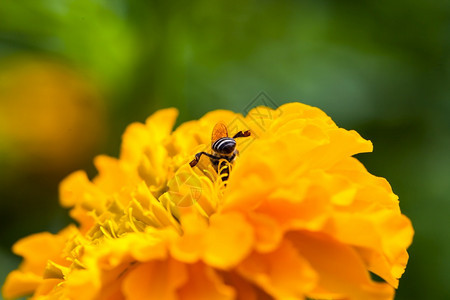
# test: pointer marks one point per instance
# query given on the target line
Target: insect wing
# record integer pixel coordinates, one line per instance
(219, 131)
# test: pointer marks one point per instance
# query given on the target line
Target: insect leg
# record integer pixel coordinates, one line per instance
(242, 134)
(197, 158)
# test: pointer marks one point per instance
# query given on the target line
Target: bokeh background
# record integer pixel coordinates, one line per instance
(73, 74)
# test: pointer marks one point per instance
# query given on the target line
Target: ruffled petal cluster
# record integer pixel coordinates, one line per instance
(299, 217)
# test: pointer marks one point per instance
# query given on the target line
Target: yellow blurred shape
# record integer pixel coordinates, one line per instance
(51, 117)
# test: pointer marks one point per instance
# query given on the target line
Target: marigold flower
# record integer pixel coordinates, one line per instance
(299, 217)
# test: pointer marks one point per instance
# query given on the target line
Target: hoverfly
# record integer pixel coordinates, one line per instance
(222, 147)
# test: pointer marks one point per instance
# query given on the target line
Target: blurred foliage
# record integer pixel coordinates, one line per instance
(380, 67)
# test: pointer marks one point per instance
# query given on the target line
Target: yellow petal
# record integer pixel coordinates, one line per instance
(301, 110)
(55, 271)
(298, 217)
(114, 175)
(185, 188)
(153, 244)
(228, 240)
(143, 148)
(77, 189)
(138, 137)
(161, 123)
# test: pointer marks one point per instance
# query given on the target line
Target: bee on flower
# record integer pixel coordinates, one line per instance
(223, 148)
(299, 217)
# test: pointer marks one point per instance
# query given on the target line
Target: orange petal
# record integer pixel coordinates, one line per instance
(291, 212)
(205, 284)
(155, 281)
(222, 244)
(247, 194)
(283, 273)
(268, 233)
(82, 284)
(342, 144)
(47, 287)
(341, 270)
(378, 264)
(189, 247)
(38, 248)
(245, 290)
(19, 284)
(399, 234)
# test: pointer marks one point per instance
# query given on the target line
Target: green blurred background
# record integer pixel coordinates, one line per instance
(73, 74)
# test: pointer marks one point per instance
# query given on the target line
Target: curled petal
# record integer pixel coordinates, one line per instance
(341, 271)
